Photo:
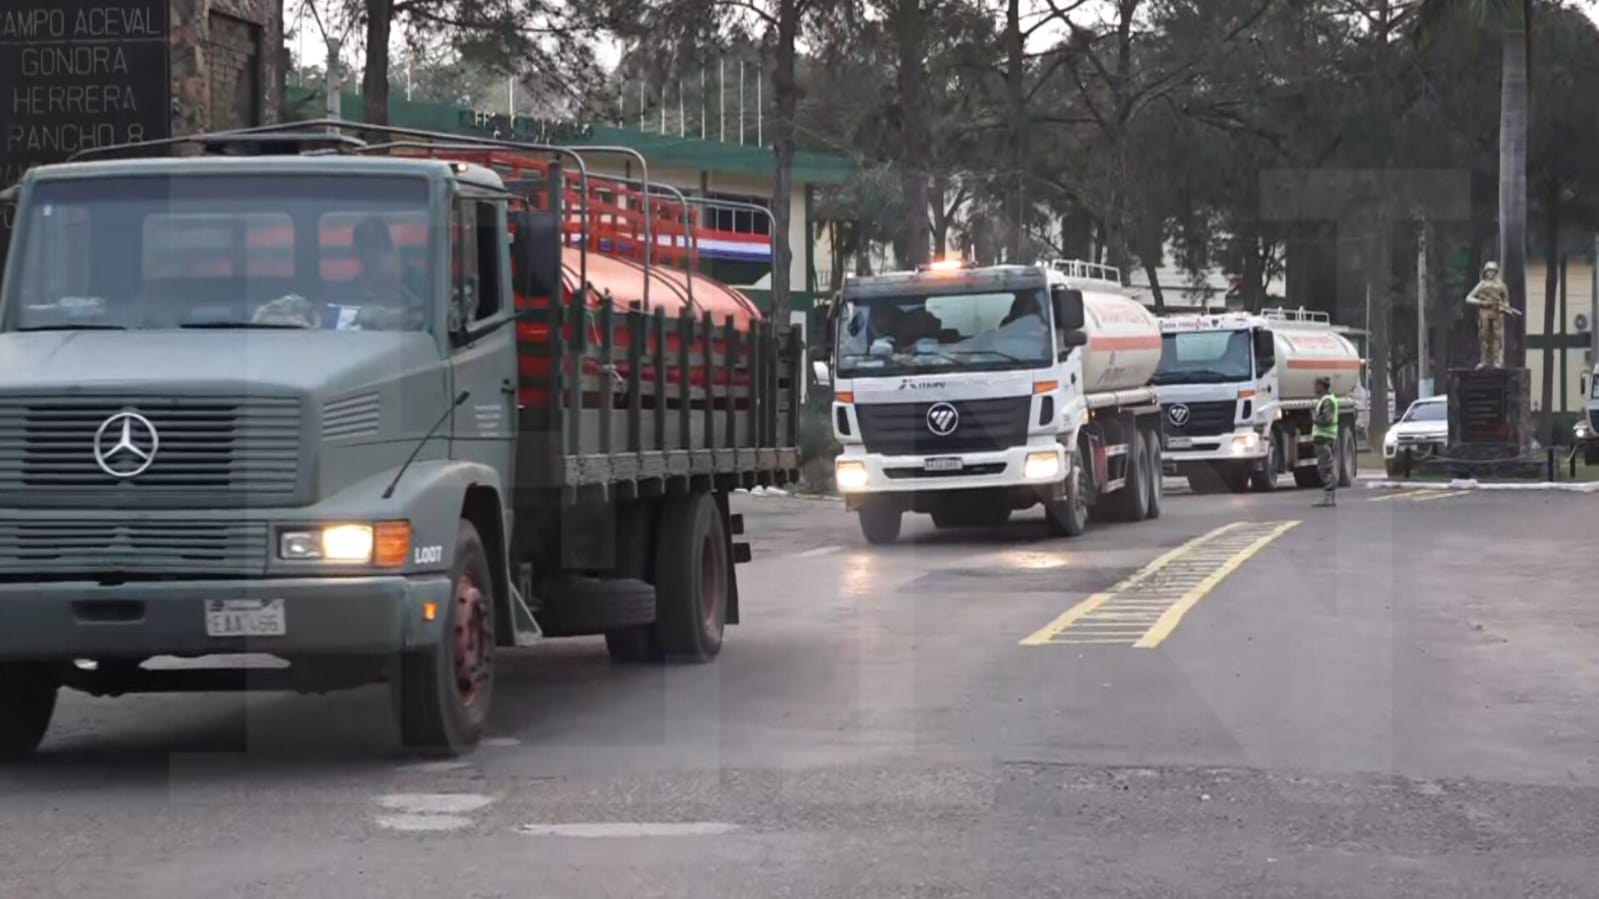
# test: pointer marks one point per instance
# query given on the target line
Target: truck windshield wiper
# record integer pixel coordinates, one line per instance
(81, 326)
(1003, 355)
(229, 326)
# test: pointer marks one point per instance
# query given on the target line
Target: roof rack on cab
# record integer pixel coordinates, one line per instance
(1302, 315)
(1083, 270)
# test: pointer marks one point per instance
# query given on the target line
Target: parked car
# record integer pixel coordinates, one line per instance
(1424, 430)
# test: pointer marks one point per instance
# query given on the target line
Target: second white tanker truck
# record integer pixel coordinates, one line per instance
(969, 393)
(1236, 392)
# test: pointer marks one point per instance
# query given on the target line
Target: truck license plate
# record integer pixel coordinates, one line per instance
(245, 618)
(943, 464)
(1179, 442)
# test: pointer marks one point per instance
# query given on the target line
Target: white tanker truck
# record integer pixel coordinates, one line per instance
(969, 393)
(1236, 392)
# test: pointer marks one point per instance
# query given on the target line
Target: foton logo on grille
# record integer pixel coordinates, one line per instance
(942, 419)
(908, 384)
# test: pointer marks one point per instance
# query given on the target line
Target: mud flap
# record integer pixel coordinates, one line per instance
(525, 626)
(737, 552)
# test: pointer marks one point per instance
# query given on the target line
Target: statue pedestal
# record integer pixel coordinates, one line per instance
(1490, 423)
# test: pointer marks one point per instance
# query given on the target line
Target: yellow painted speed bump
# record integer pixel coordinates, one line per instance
(1144, 608)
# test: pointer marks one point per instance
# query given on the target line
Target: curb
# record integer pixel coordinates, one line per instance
(1473, 484)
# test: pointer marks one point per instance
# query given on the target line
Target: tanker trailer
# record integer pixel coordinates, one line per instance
(970, 393)
(1236, 393)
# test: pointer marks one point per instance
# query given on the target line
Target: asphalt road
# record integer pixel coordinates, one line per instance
(1393, 698)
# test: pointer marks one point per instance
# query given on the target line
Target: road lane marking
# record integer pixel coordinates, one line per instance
(629, 829)
(1447, 494)
(1403, 494)
(429, 812)
(1144, 608)
(818, 551)
(1173, 616)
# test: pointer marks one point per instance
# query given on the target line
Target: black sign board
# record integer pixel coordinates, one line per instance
(76, 74)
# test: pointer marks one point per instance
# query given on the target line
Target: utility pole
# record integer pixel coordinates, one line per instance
(1423, 388)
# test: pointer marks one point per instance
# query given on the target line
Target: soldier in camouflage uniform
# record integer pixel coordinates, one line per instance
(1493, 303)
(1324, 431)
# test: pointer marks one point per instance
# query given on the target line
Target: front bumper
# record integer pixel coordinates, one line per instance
(1234, 446)
(1419, 449)
(323, 616)
(905, 474)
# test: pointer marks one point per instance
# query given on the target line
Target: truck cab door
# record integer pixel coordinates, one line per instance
(482, 336)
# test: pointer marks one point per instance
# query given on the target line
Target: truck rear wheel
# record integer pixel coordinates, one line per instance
(442, 693)
(880, 521)
(1348, 454)
(1131, 503)
(27, 702)
(1153, 464)
(693, 579)
(1068, 516)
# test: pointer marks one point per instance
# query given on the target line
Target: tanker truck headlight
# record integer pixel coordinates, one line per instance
(1041, 465)
(1246, 443)
(850, 475)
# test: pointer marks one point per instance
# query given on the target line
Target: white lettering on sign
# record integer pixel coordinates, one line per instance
(79, 74)
(429, 555)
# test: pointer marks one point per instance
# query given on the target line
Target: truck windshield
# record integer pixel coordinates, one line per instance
(986, 331)
(1203, 357)
(222, 251)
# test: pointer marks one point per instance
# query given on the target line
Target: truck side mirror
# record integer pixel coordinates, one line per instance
(1068, 304)
(1265, 351)
(1070, 339)
(1585, 385)
(824, 377)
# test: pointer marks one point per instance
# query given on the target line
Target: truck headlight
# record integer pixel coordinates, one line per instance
(384, 544)
(850, 475)
(1041, 465)
(1246, 443)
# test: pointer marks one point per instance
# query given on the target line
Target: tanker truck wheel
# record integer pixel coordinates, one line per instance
(1157, 475)
(1068, 516)
(1131, 503)
(1348, 454)
(1265, 480)
(880, 520)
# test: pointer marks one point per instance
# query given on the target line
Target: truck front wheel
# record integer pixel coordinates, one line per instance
(442, 693)
(1348, 453)
(1265, 480)
(27, 701)
(1068, 516)
(1155, 468)
(693, 579)
(880, 521)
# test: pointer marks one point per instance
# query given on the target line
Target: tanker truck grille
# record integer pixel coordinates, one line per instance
(206, 446)
(900, 429)
(1203, 419)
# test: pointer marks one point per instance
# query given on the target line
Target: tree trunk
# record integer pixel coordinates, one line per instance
(1513, 187)
(1551, 296)
(1379, 280)
(1016, 112)
(785, 92)
(1253, 275)
(375, 78)
(1155, 293)
(910, 35)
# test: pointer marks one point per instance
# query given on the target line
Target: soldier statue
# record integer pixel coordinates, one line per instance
(1493, 303)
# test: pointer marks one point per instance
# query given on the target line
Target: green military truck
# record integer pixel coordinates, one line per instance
(236, 417)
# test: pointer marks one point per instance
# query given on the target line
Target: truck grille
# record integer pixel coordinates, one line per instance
(101, 546)
(207, 446)
(1204, 419)
(900, 429)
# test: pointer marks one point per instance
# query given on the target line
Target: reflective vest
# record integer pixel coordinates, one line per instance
(1329, 431)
